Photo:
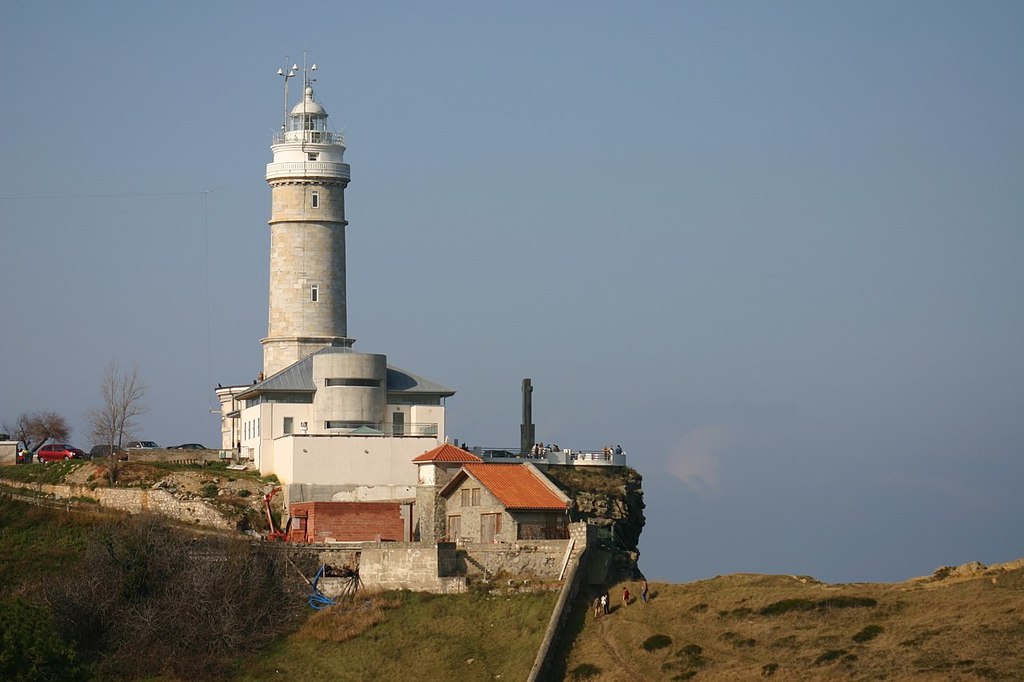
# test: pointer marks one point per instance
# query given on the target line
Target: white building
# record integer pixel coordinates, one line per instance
(330, 422)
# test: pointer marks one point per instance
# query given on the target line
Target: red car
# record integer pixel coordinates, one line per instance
(55, 452)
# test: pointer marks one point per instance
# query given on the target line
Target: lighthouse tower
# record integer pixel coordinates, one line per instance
(307, 178)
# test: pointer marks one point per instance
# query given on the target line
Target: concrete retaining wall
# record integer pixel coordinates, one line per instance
(393, 566)
(410, 566)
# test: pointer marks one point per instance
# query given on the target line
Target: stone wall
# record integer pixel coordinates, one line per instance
(137, 501)
(541, 558)
(579, 535)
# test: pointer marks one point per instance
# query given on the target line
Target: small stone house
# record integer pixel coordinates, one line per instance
(435, 469)
(489, 502)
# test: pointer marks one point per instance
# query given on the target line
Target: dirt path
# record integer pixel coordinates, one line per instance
(604, 626)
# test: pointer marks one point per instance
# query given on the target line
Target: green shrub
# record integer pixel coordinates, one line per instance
(584, 671)
(786, 605)
(691, 651)
(31, 648)
(829, 656)
(244, 492)
(868, 633)
(209, 490)
(846, 603)
(655, 642)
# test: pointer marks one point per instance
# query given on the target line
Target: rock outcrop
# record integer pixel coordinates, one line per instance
(611, 499)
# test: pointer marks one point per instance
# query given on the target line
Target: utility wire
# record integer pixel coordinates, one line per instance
(127, 195)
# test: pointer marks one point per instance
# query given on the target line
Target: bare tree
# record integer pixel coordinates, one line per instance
(112, 423)
(35, 428)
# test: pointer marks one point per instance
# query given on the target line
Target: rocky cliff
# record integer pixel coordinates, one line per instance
(613, 500)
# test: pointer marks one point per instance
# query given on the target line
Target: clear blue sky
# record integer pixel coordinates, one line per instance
(775, 250)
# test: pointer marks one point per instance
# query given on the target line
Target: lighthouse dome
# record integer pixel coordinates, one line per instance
(308, 106)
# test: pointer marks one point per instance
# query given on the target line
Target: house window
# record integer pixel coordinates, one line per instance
(476, 497)
(313, 156)
(465, 497)
(314, 292)
(315, 198)
(288, 425)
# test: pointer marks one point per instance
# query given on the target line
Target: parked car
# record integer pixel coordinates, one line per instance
(104, 451)
(143, 445)
(188, 446)
(55, 452)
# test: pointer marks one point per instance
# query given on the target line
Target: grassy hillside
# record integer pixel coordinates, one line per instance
(957, 625)
(37, 544)
(414, 637)
(741, 627)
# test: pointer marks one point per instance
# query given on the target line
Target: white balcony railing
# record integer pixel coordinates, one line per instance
(308, 168)
(309, 136)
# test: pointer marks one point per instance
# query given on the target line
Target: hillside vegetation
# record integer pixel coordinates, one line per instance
(965, 624)
(86, 596)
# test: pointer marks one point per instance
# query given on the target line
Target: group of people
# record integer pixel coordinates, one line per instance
(541, 450)
(609, 451)
(602, 603)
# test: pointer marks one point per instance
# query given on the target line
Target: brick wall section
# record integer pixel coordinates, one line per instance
(347, 521)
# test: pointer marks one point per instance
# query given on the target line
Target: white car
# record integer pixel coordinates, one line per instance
(142, 445)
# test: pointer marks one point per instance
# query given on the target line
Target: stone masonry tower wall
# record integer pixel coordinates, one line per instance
(307, 177)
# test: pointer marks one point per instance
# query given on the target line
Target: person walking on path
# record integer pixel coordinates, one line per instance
(625, 596)
(643, 591)
(604, 603)
(597, 607)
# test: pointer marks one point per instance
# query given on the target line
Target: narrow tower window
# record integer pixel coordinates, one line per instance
(314, 293)
(315, 199)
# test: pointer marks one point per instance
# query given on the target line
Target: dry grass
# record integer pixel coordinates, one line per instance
(348, 619)
(742, 627)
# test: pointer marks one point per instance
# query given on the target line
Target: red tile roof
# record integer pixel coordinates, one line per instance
(517, 486)
(447, 453)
